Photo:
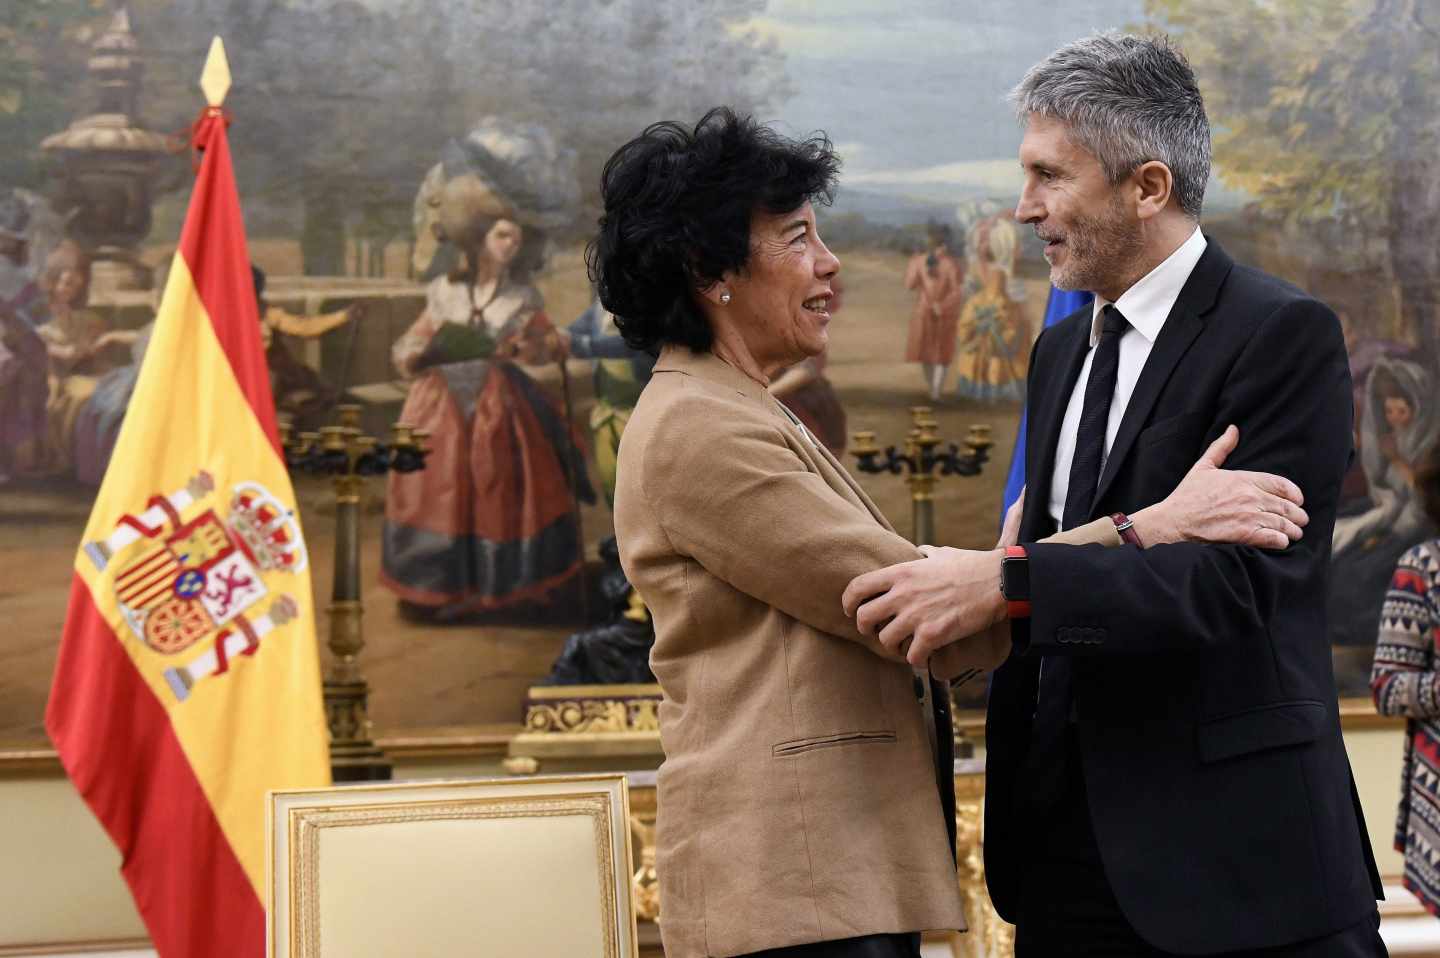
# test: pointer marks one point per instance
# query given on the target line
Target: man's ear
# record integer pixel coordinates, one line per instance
(1155, 185)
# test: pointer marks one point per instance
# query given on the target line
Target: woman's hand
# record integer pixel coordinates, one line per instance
(1010, 529)
(984, 652)
(1226, 505)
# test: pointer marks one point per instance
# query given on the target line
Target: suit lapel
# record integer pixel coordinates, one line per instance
(1042, 429)
(1181, 327)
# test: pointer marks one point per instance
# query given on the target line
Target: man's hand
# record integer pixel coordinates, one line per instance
(946, 596)
(1226, 505)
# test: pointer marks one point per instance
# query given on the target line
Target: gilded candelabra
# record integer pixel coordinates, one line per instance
(348, 457)
(923, 465)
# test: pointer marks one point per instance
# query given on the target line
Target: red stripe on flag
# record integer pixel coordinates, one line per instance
(213, 244)
(117, 745)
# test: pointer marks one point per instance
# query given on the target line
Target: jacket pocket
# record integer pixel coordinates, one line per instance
(795, 747)
(1255, 730)
(1182, 425)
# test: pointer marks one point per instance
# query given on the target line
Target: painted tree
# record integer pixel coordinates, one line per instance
(1328, 112)
(345, 105)
(596, 72)
(43, 48)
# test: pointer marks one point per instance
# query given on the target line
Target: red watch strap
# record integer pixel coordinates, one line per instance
(1126, 527)
(1017, 608)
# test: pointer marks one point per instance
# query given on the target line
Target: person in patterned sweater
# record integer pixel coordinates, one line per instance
(1405, 680)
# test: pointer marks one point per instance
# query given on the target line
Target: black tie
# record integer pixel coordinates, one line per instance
(1094, 417)
(1046, 762)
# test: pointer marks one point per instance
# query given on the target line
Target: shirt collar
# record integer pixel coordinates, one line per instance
(1147, 304)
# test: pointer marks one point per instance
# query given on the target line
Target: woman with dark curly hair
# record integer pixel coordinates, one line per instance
(1405, 680)
(806, 803)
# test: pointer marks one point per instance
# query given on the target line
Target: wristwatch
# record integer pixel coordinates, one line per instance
(1125, 526)
(1015, 581)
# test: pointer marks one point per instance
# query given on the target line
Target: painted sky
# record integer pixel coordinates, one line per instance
(914, 95)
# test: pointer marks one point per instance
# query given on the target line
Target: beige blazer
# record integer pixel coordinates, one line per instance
(798, 800)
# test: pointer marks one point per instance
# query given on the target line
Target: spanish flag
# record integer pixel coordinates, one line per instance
(188, 681)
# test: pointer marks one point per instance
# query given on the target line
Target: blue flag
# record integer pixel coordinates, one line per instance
(1061, 304)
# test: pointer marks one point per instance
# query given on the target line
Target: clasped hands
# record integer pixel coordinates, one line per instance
(946, 609)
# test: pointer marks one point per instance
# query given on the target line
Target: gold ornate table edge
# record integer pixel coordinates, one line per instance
(580, 722)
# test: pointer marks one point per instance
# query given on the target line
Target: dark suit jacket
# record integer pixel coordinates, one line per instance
(1208, 726)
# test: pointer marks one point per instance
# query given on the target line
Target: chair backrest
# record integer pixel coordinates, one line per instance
(506, 867)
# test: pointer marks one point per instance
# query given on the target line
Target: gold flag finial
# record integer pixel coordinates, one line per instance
(215, 78)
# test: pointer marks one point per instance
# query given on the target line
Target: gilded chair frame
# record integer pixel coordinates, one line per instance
(299, 821)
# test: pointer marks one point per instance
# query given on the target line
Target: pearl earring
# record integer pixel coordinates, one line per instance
(724, 298)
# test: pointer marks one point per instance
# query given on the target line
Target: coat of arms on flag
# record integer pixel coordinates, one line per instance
(198, 576)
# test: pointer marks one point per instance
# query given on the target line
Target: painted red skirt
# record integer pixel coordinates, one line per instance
(489, 522)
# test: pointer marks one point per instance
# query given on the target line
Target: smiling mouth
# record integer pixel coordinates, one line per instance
(819, 306)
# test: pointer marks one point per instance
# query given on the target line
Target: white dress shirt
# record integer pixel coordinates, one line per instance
(1145, 306)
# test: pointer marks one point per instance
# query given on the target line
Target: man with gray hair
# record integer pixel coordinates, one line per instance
(1165, 771)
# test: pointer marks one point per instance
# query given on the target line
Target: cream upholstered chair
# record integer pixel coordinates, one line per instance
(529, 868)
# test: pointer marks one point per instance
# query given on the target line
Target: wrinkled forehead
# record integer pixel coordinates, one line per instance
(763, 222)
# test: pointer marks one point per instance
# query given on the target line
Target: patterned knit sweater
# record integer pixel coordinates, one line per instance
(1405, 680)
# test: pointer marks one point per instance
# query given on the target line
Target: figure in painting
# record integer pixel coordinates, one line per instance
(491, 521)
(1399, 425)
(98, 421)
(97, 424)
(88, 406)
(81, 349)
(994, 335)
(1363, 352)
(299, 391)
(938, 279)
(620, 374)
(23, 384)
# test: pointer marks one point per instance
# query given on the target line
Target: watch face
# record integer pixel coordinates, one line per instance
(1015, 579)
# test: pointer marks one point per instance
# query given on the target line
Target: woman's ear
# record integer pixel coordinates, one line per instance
(718, 293)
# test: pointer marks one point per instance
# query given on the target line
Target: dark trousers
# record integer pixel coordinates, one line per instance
(870, 946)
(1068, 910)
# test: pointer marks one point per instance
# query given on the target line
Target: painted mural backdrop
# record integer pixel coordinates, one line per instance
(419, 182)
